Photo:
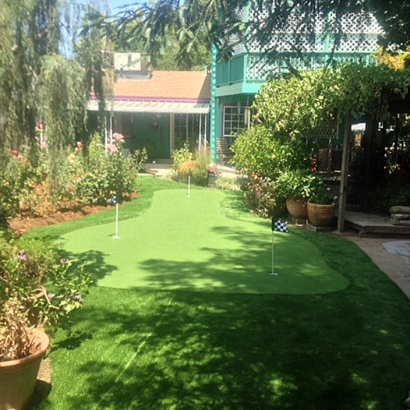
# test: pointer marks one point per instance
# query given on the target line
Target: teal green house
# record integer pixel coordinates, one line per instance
(236, 82)
(163, 110)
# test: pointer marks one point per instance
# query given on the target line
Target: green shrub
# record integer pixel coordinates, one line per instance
(180, 156)
(148, 146)
(228, 184)
(186, 164)
(298, 183)
(200, 172)
(260, 151)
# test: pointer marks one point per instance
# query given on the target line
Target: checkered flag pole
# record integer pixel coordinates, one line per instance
(279, 226)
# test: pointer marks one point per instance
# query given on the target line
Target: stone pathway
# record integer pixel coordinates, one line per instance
(392, 256)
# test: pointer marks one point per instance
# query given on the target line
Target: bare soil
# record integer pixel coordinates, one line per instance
(22, 224)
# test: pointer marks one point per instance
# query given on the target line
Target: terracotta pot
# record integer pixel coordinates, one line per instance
(297, 207)
(320, 215)
(18, 377)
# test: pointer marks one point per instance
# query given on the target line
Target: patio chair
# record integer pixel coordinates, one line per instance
(224, 152)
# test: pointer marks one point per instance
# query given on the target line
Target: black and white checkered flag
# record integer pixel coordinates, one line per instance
(279, 225)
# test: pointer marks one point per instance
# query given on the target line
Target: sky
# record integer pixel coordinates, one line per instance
(114, 4)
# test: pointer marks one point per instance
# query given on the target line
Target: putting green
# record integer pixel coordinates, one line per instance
(186, 243)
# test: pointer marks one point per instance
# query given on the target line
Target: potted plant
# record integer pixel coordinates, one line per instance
(38, 289)
(321, 206)
(297, 186)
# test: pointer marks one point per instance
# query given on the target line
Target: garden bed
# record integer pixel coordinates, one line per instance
(23, 224)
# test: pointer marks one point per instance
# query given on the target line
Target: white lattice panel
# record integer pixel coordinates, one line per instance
(259, 67)
(360, 31)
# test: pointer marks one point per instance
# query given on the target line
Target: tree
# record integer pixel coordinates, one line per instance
(292, 110)
(29, 30)
(37, 83)
(133, 31)
(219, 22)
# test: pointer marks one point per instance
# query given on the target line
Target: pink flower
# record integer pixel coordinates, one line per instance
(39, 127)
(111, 148)
(22, 256)
(118, 137)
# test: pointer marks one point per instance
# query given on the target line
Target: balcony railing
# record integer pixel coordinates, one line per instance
(255, 68)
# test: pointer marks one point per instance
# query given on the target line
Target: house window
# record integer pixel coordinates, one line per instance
(180, 130)
(186, 129)
(236, 119)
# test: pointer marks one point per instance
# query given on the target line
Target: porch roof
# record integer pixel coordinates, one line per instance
(175, 107)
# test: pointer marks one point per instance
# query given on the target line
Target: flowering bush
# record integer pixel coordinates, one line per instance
(323, 196)
(45, 286)
(18, 179)
(262, 195)
(37, 288)
(93, 178)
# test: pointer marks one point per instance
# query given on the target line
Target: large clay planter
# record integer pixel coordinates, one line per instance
(18, 377)
(320, 215)
(297, 207)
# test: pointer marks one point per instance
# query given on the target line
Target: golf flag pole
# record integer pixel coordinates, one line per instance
(113, 201)
(116, 221)
(279, 226)
(189, 185)
(273, 273)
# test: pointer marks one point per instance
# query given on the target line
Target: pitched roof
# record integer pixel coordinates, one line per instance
(166, 85)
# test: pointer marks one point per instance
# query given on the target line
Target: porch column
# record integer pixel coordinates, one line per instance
(344, 173)
(212, 126)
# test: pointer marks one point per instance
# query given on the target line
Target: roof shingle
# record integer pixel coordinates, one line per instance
(166, 85)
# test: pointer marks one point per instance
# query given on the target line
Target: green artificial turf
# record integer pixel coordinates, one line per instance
(146, 187)
(134, 349)
(187, 243)
(151, 349)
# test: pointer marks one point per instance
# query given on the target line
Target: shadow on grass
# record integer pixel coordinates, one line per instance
(41, 391)
(206, 351)
(93, 262)
(245, 267)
